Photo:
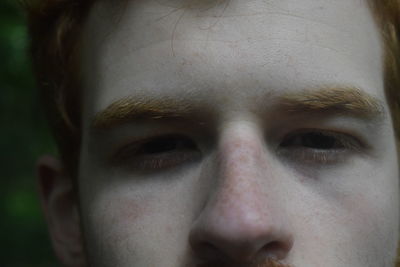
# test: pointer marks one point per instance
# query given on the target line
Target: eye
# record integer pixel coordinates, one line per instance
(166, 144)
(317, 146)
(158, 153)
(314, 140)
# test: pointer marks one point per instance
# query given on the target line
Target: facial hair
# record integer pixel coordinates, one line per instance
(272, 263)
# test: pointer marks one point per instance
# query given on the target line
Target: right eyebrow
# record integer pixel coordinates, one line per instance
(131, 108)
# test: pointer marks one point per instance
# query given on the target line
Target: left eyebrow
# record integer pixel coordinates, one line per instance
(347, 100)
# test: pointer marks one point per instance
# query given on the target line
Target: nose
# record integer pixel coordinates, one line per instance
(242, 220)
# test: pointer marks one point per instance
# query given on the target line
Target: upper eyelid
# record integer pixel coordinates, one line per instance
(137, 145)
(328, 132)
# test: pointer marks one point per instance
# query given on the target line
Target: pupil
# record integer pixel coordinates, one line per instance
(160, 146)
(318, 140)
(166, 144)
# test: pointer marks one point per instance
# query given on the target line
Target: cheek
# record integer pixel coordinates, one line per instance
(133, 225)
(112, 223)
(356, 220)
(122, 216)
(375, 227)
(368, 199)
(371, 221)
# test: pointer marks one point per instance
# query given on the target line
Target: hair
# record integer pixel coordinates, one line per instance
(54, 28)
(387, 16)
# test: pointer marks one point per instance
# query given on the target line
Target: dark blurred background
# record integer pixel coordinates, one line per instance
(24, 136)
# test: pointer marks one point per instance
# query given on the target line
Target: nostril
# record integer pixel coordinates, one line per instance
(276, 249)
(275, 245)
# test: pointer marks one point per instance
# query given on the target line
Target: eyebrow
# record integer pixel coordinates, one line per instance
(135, 108)
(347, 100)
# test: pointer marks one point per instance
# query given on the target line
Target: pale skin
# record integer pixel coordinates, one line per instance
(242, 180)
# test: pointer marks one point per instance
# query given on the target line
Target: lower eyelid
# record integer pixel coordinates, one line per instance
(158, 162)
(313, 156)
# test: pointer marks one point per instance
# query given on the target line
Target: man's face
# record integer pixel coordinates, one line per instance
(225, 132)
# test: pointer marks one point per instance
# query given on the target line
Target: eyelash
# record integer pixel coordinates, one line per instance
(340, 145)
(148, 154)
(168, 151)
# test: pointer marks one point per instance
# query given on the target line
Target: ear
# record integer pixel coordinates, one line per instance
(61, 211)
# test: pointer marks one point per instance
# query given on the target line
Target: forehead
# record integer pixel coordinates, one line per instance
(228, 52)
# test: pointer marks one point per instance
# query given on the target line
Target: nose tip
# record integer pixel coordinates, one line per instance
(241, 224)
(238, 244)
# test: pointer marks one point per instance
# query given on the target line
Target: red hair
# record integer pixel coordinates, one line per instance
(54, 29)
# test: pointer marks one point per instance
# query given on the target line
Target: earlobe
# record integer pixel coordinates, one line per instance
(60, 206)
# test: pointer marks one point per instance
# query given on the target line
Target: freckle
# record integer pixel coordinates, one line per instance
(243, 159)
(128, 210)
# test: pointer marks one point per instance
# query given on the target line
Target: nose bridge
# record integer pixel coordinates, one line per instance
(240, 166)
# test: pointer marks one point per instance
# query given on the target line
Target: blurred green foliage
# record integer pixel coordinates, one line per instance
(24, 136)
